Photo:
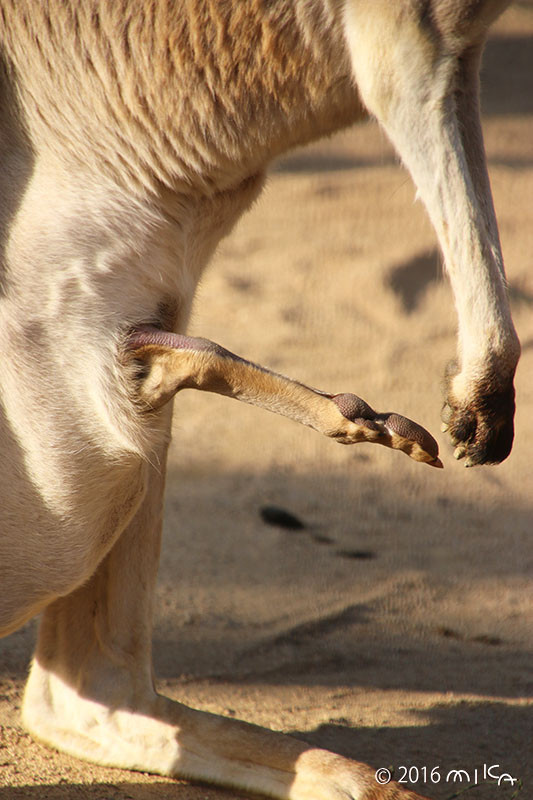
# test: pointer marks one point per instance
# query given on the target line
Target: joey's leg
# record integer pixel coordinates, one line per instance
(90, 692)
(170, 362)
(419, 78)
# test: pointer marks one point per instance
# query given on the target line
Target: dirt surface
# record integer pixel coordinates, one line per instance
(396, 626)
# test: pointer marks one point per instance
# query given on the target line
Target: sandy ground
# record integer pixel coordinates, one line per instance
(396, 627)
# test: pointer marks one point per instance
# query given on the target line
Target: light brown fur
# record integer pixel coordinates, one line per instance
(188, 95)
(133, 134)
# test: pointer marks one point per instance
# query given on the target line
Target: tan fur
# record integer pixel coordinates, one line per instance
(178, 363)
(190, 94)
(133, 134)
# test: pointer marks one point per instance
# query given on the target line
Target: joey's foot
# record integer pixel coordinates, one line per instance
(479, 420)
(389, 429)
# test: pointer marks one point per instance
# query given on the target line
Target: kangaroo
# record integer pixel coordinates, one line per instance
(133, 135)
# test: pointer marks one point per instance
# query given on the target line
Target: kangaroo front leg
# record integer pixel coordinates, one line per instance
(170, 362)
(416, 68)
(480, 419)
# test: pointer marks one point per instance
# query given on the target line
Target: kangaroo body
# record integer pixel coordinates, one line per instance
(133, 135)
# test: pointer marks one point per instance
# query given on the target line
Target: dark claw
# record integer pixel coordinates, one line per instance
(482, 430)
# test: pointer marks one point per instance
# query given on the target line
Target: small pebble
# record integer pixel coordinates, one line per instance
(273, 515)
(319, 538)
(357, 554)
